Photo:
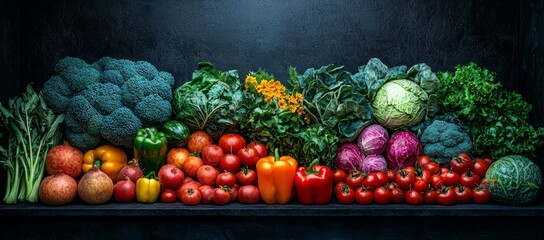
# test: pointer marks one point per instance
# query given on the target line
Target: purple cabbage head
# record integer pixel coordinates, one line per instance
(373, 139)
(349, 157)
(402, 150)
(374, 163)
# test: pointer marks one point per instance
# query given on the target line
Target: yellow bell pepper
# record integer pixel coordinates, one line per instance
(275, 178)
(147, 190)
(109, 158)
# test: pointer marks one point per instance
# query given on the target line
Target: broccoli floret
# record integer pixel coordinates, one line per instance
(120, 127)
(74, 125)
(82, 110)
(162, 89)
(167, 78)
(104, 97)
(113, 76)
(443, 140)
(82, 141)
(134, 90)
(153, 110)
(77, 73)
(57, 94)
(146, 70)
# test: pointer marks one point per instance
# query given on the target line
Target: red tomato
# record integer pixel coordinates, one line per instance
(410, 170)
(437, 181)
(482, 183)
(230, 162)
(247, 176)
(405, 179)
(382, 177)
(339, 176)
(465, 156)
(392, 185)
(422, 160)
(372, 181)
(345, 195)
(468, 179)
(432, 167)
(231, 143)
(225, 179)
(413, 197)
(420, 185)
(462, 194)
(363, 196)
(249, 156)
(185, 186)
(249, 194)
(444, 169)
(355, 179)
(446, 196)
(480, 167)
(391, 175)
(382, 195)
(191, 196)
(450, 178)
(261, 148)
(206, 192)
(460, 164)
(487, 159)
(480, 195)
(430, 196)
(221, 195)
(424, 175)
(168, 196)
(397, 195)
(233, 193)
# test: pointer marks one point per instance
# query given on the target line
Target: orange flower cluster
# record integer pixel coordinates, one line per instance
(273, 90)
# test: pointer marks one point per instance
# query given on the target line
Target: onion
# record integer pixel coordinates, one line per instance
(132, 171)
(64, 158)
(58, 189)
(95, 187)
(124, 191)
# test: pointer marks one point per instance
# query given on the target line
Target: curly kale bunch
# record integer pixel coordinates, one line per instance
(108, 100)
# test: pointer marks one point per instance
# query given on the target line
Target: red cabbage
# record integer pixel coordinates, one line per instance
(373, 139)
(349, 157)
(374, 163)
(402, 150)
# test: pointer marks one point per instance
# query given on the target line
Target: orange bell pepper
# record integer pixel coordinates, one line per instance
(275, 176)
(109, 158)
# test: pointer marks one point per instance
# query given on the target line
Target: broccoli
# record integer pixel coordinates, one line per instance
(108, 100)
(443, 140)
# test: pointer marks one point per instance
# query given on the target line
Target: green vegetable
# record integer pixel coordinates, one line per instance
(150, 148)
(514, 180)
(318, 143)
(32, 129)
(176, 132)
(335, 100)
(211, 101)
(497, 118)
(400, 99)
(108, 100)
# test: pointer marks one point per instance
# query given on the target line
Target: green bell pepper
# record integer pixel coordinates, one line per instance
(150, 148)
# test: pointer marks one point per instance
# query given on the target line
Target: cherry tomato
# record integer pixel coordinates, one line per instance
(420, 185)
(410, 170)
(391, 175)
(225, 179)
(397, 195)
(230, 162)
(261, 148)
(246, 176)
(191, 196)
(422, 160)
(468, 179)
(480, 195)
(221, 195)
(371, 181)
(462, 194)
(460, 164)
(346, 195)
(432, 167)
(480, 167)
(437, 181)
(355, 179)
(339, 176)
(382, 177)
(446, 196)
(430, 196)
(382, 195)
(450, 178)
(363, 196)
(168, 196)
(405, 179)
(424, 175)
(413, 197)
(231, 143)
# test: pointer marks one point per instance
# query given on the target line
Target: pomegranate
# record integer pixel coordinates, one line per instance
(124, 191)
(207, 174)
(95, 187)
(170, 177)
(58, 189)
(132, 170)
(211, 155)
(64, 158)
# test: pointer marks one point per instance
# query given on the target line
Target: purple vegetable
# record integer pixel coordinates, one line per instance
(349, 157)
(373, 139)
(374, 163)
(402, 150)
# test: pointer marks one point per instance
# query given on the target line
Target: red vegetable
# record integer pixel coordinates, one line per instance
(313, 184)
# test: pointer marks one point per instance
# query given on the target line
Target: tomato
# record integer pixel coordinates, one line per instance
(372, 181)
(432, 167)
(338, 186)
(405, 179)
(185, 186)
(487, 159)
(462, 194)
(247, 176)
(397, 195)
(207, 175)
(345, 195)
(249, 156)
(211, 155)
(420, 185)
(482, 183)
(413, 197)
(191, 196)
(225, 179)
(465, 156)
(430, 196)
(382, 177)
(468, 179)
(392, 185)
(437, 181)
(234, 193)
(391, 175)
(450, 178)
(446, 196)
(261, 148)
(480, 167)
(338, 176)
(422, 160)
(355, 179)
(410, 170)
(363, 196)
(206, 192)
(460, 164)
(249, 194)
(191, 166)
(168, 196)
(232, 143)
(424, 175)
(444, 169)
(230, 162)
(198, 140)
(480, 195)
(382, 195)
(221, 195)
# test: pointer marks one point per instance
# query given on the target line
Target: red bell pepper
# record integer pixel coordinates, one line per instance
(314, 184)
